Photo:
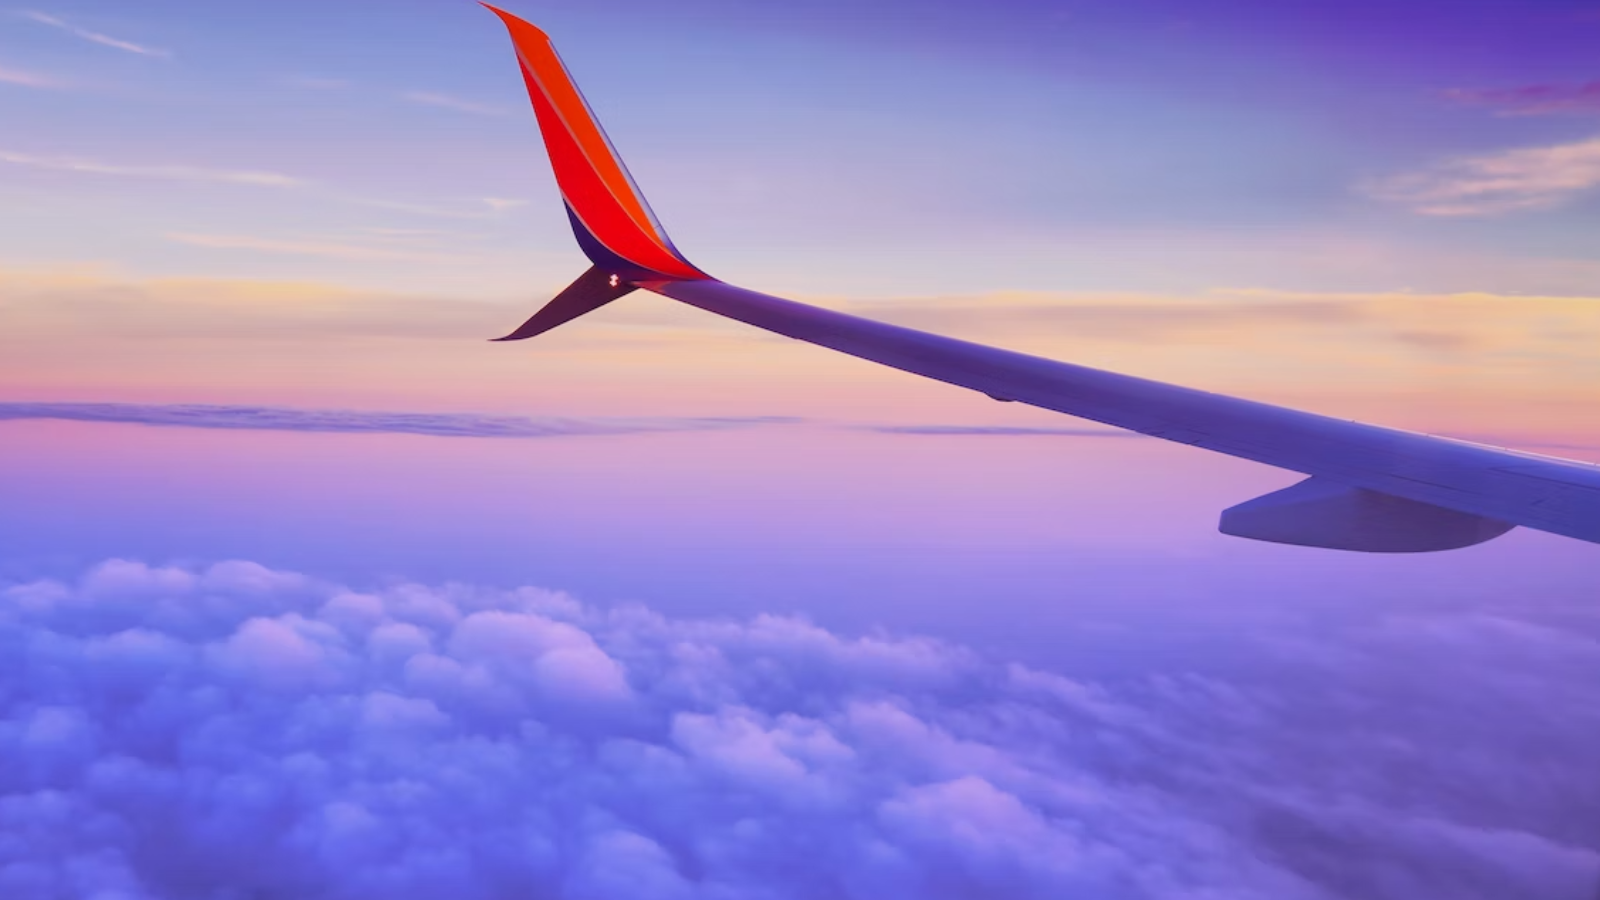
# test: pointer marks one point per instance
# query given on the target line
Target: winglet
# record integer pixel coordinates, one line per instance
(610, 218)
(593, 289)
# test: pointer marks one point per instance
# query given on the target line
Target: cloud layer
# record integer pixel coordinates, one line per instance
(276, 418)
(349, 421)
(238, 731)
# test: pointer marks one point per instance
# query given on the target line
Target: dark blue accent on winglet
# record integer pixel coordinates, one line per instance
(611, 277)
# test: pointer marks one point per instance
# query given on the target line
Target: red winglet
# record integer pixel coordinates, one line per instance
(598, 191)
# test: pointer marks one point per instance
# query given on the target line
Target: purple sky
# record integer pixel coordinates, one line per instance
(249, 259)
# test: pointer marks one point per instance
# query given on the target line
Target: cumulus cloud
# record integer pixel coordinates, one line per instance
(236, 731)
(276, 418)
(1510, 181)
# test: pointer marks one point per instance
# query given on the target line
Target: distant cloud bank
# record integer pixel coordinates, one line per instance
(451, 424)
(190, 732)
(1001, 431)
(274, 418)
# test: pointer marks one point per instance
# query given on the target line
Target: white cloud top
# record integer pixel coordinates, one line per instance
(237, 731)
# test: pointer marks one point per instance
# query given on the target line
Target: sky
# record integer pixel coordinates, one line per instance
(300, 572)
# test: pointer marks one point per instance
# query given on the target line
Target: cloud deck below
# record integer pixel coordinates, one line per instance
(236, 731)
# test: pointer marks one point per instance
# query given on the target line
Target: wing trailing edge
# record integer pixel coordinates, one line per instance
(1370, 488)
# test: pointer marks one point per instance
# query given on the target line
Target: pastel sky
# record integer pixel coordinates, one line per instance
(250, 255)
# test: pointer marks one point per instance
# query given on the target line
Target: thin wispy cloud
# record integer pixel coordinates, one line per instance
(482, 208)
(401, 234)
(314, 83)
(161, 172)
(1533, 99)
(346, 421)
(446, 101)
(95, 37)
(1511, 181)
(492, 206)
(22, 78)
(327, 249)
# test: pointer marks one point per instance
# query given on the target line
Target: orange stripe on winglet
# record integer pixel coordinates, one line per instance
(593, 179)
(596, 206)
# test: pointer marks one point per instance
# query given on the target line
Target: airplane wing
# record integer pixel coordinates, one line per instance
(1369, 488)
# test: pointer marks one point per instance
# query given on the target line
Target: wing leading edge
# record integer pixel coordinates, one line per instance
(1494, 485)
(1370, 488)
